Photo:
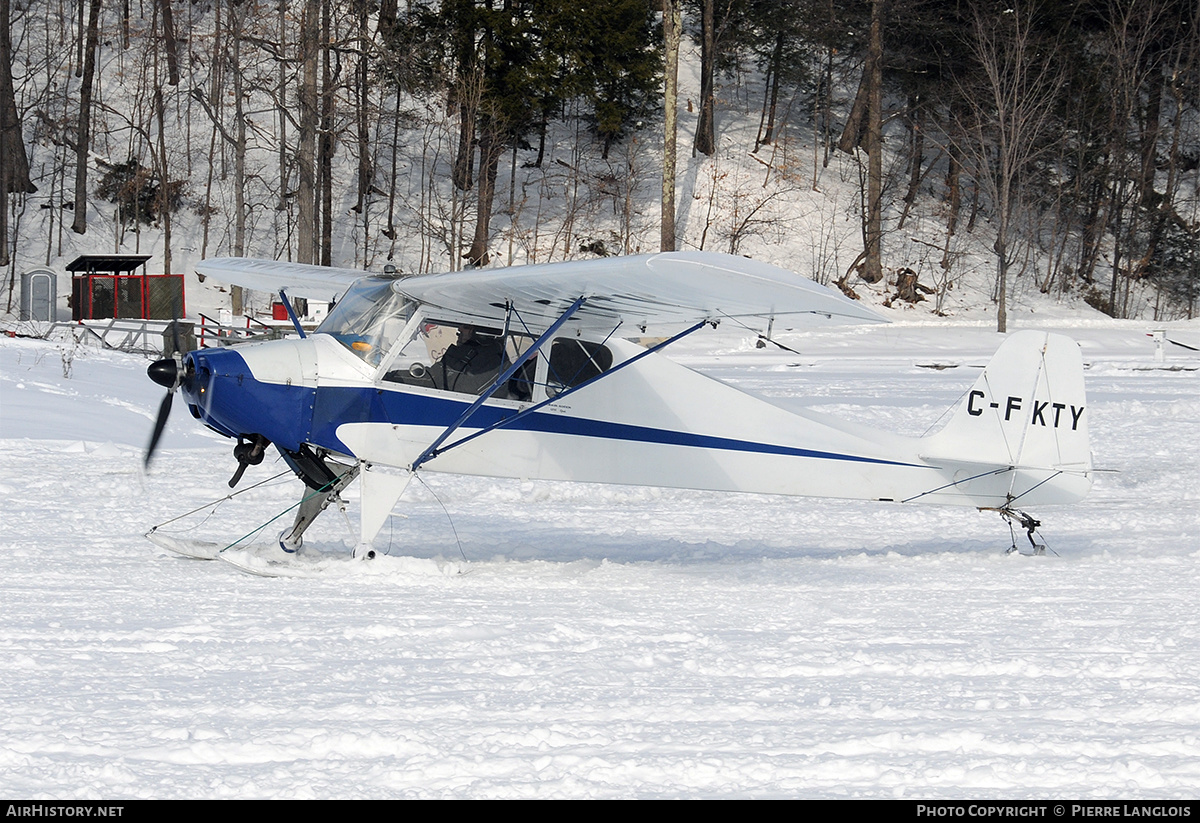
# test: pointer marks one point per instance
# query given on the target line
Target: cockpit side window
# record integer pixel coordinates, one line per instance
(368, 318)
(462, 358)
(573, 362)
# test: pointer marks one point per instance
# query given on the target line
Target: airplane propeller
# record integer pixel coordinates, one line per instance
(170, 373)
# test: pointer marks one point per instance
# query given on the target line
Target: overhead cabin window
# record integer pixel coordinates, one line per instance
(573, 362)
(368, 318)
(463, 358)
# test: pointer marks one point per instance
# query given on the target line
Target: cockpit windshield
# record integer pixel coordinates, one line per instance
(368, 318)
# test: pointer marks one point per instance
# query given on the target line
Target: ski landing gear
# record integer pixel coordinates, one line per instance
(1029, 524)
(325, 480)
(313, 504)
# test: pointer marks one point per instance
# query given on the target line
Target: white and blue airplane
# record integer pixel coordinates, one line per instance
(529, 372)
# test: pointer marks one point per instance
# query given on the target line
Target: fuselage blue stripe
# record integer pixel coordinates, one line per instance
(289, 415)
(425, 410)
(584, 427)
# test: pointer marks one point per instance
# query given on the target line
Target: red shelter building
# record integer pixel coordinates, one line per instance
(105, 286)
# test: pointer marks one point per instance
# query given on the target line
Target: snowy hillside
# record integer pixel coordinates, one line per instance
(559, 640)
(795, 201)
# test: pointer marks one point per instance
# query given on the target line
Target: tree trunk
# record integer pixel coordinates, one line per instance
(387, 17)
(215, 92)
(164, 185)
(325, 171)
(306, 228)
(672, 23)
(170, 42)
(917, 126)
(762, 116)
(873, 264)
(464, 160)
(237, 16)
(239, 148)
(281, 97)
(83, 135)
(706, 139)
(363, 98)
(776, 65)
(466, 90)
(490, 146)
(13, 162)
(954, 185)
(1150, 131)
(1002, 281)
(14, 165)
(79, 41)
(856, 123)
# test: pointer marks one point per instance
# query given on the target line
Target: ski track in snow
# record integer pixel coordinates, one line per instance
(592, 641)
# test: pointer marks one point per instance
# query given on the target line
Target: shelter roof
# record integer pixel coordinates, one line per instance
(107, 262)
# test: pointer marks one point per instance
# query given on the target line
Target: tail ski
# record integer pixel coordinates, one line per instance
(1020, 436)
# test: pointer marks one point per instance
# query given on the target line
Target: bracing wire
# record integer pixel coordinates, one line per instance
(449, 519)
(217, 502)
(323, 490)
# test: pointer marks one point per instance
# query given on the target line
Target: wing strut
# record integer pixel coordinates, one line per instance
(291, 312)
(507, 421)
(432, 450)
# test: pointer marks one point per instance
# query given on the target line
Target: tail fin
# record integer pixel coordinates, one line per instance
(1021, 434)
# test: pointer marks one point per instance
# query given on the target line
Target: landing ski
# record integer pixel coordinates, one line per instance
(271, 561)
(192, 549)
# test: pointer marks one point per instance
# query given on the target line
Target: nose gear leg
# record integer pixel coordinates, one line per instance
(312, 505)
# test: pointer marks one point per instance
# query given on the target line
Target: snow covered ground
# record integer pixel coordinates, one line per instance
(555, 640)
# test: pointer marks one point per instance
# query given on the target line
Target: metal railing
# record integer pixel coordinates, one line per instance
(146, 337)
(124, 334)
(212, 332)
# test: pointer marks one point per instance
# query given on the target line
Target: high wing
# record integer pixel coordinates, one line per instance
(651, 291)
(297, 279)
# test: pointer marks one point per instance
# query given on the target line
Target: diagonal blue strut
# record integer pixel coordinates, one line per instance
(291, 312)
(432, 450)
(508, 421)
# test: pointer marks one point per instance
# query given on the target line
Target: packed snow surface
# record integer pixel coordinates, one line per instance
(531, 639)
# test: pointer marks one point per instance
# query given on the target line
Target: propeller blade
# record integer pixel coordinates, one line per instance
(170, 373)
(164, 411)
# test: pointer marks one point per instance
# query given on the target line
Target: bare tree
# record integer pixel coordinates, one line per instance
(83, 138)
(467, 69)
(1135, 49)
(164, 185)
(491, 146)
(872, 270)
(865, 125)
(306, 194)
(14, 165)
(1010, 115)
(227, 59)
(326, 146)
(672, 26)
(706, 135)
(170, 41)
